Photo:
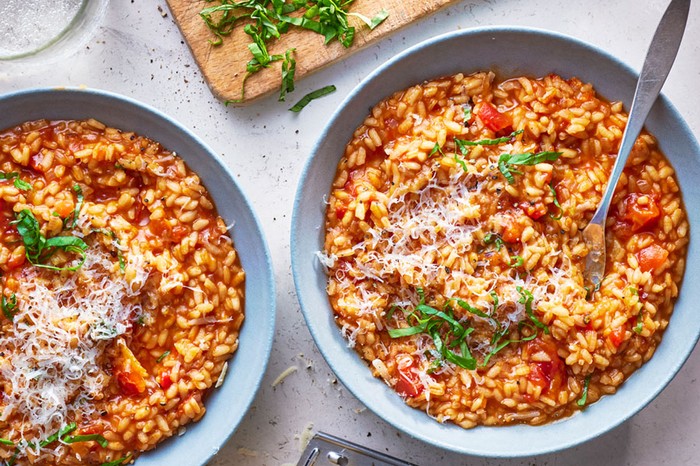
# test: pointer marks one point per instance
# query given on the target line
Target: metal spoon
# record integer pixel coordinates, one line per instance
(660, 56)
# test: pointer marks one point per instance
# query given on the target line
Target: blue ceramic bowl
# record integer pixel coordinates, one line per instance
(226, 405)
(509, 52)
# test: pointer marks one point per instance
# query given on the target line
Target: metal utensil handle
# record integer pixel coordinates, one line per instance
(327, 450)
(657, 64)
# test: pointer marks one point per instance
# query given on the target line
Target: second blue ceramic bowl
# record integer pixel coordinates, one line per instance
(510, 52)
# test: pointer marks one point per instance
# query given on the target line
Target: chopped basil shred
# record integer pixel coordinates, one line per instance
(9, 306)
(498, 336)
(447, 332)
(373, 22)
(516, 261)
(461, 143)
(467, 113)
(8, 176)
(556, 204)
(494, 296)
(495, 239)
(18, 182)
(22, 185)
(69, 222)
(117, 462)
(87, 438)
(38, 248)
(288, 70)
(584, 394)
(640, 323)
(527, 298)
(507, 161)
(427, 319)
(163, 356)
(436, 150)
(267, 20)
(304, 101)
(461, 162)
(60, 434)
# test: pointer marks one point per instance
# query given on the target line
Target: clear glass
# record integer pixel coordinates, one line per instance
(44, 30)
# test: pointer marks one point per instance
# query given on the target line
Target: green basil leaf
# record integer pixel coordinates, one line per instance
(584, 394)
(288, 70)
(9, 306)
(8, 176)
(516, 261)
(505, 161)
(640, 323)
(22, 185)
(489, 142)
(495, 239)
(375, 21)
(527, 298)
(62, 432)
(87, 438)
(304, 101)
(163, 356)
(556, 204)
(118, 462)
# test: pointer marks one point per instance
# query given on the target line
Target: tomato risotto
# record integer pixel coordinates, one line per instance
(455, 256)
(122, 294)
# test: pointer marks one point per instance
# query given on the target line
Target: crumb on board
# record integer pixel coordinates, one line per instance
(286, 373)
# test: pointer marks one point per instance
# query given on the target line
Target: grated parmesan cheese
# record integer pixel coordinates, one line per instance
(431, 222)
(51, 361)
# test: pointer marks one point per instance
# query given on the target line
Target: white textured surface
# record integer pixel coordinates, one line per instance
(139, 53)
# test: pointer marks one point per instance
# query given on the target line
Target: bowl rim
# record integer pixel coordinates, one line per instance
(267, 310)
(324, 341)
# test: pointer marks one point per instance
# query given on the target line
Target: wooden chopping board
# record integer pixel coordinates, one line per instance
(224, 66)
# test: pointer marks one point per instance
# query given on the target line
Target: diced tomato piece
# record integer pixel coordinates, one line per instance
(130, 374)
(63, 208)
(492, 118)
(617, 336)
(16, 261)
(179, 232)
(160, 227)
(541, 374)
(130, 383)
(165, 380)
(512, 232)
(340, 211)
(652, 257)
(634, 215)
(549, 375)
(408, 384)
(534, 211)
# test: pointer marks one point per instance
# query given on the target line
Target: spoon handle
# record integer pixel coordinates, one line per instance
(660, 57)
(657, 64)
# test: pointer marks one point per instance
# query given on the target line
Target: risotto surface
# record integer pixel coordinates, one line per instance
(455, 256)
(122, 294)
